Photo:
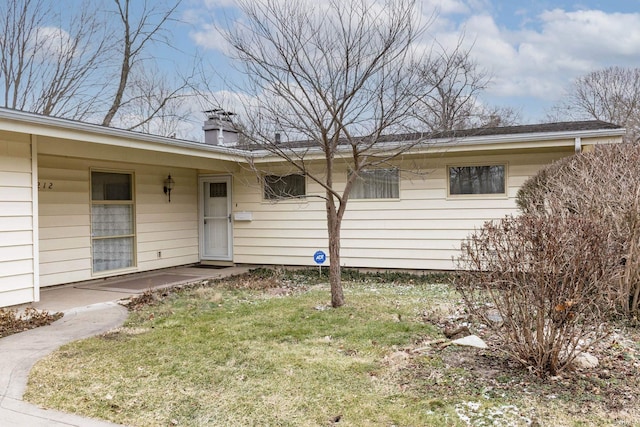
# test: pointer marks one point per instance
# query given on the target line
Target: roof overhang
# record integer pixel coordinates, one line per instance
(34, 124)
(517, 141)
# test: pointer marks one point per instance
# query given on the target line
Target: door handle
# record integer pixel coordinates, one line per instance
(229, 217)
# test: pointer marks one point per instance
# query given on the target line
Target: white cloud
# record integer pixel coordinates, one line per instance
(445, 7)
(534, 55)
(52, 42)
(591, 34)
(209, 37)
(213, 4)
(541, 59)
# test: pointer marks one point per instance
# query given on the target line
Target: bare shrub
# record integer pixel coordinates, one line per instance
(603, 185)
(537, 283)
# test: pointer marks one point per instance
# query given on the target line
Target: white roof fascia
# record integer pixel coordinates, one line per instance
(532, 137)
(30, 123)
(527, 140)
(11, 120)
(475, 143)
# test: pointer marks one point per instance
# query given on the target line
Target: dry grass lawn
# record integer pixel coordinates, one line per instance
(265, 349)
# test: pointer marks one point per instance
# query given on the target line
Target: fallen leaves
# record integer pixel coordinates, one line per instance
(13, 321)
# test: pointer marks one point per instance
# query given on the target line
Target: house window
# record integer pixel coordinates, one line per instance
(376, 184)
(284, 187)
(465, 180)
(112, 221)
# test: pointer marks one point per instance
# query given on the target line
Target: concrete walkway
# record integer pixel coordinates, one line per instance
(89, 309)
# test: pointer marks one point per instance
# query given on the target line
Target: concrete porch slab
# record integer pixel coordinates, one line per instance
(82, 294)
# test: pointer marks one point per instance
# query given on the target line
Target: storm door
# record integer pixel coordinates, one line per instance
(216, 234)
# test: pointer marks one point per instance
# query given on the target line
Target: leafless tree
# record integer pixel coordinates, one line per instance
(62, 63)
(139, 32)
(336, 75)
(452, 82)
(611, 94)
(156, 105)
(45, 68)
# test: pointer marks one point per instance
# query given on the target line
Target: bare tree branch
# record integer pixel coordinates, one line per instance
(155, 104)
(59, 64)
(451, 83)
(137, 35)
(611, 94)
(47, 69)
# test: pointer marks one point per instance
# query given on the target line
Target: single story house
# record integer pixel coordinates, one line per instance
(81, 201)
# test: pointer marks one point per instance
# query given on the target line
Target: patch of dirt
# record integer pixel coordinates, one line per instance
(14, 321)
(610, 389)
(274, 282)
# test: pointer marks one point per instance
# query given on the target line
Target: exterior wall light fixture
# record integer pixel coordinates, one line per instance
(168, 186)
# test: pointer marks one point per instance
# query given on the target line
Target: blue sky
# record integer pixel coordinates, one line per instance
(533, 49)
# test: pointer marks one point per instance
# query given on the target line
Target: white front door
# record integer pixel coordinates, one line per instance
(216, 234)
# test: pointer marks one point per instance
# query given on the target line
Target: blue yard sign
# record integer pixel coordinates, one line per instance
(319, 257)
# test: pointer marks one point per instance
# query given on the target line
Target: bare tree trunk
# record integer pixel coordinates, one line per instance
(338, 77)
(122, 85)
(335, 276)
(125, 67)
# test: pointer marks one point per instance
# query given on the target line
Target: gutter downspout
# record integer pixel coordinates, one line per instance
(577, 144)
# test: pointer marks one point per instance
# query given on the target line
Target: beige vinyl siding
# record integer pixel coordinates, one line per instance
(285, 232)
(168, 228)
(64, 212)
(422, 229)
(65, 218)
(18, 281)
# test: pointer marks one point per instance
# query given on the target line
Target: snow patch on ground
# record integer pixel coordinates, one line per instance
(478, 415)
